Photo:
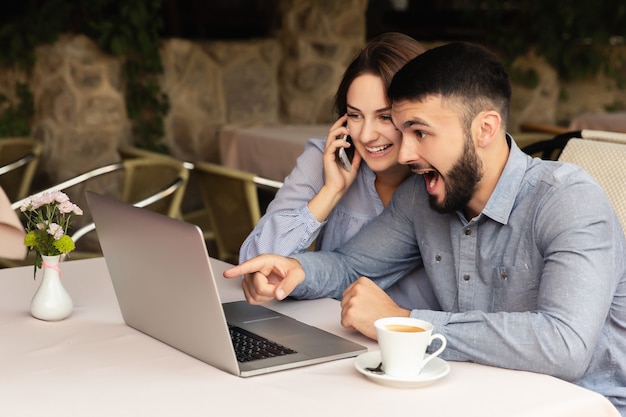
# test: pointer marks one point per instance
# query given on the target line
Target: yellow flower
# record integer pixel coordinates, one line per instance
(30, 239)
(65, 244)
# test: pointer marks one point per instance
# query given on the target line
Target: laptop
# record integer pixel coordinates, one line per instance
(166, 288)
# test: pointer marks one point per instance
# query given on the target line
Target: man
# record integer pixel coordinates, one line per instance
(526, 257)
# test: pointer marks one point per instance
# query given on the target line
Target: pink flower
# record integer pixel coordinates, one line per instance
(60, 197)
(55, 230)
(26, 204)
(66, 207)
(77, 210)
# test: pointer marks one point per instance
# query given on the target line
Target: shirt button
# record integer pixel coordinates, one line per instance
(468, 232)
(466, 277)
(437, 258)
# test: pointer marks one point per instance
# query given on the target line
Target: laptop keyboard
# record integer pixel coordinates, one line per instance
(251, 347)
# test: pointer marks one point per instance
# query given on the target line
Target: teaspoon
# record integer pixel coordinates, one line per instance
(378, 370)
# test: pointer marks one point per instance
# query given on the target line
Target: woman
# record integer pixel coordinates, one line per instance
(323, 202)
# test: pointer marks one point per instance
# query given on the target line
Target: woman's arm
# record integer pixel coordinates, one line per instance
(301, 207)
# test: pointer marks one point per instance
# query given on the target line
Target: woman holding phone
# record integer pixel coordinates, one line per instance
(325, 202)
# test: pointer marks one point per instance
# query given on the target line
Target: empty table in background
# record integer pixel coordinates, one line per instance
(612, 122)
(267, 151)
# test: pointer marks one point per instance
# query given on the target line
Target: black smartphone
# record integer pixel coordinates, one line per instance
(345, 155)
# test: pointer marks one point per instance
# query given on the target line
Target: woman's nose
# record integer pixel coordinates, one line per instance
(369, 132)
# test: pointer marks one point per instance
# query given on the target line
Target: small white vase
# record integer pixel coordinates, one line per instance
(51, 302)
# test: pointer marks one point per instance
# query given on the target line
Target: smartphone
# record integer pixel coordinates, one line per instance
(345, 155)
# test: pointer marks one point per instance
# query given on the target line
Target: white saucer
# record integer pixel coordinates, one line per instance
(434, 370)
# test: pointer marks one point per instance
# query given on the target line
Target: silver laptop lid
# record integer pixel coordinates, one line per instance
(163, 280)
(162, 276)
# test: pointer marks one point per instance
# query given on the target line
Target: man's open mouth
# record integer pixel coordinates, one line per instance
(431, 177)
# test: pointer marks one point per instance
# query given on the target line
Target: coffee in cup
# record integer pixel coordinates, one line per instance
(403, 342)
(404, 328)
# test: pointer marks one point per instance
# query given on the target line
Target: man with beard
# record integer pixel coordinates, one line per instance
(526, 257)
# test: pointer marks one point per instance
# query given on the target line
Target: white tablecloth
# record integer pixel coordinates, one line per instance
(612, 122)
(92, 364)
(267, 151)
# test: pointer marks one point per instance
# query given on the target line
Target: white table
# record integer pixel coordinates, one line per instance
(612, 122)
(92, 364)
(267, 151)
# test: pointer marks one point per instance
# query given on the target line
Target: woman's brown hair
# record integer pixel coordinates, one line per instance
(383, 56)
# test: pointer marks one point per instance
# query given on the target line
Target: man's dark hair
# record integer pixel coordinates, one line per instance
(468, 73)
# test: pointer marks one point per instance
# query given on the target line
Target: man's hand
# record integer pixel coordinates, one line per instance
(363, 303)
(267, 277)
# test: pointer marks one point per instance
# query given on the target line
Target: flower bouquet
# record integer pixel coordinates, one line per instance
(48, 217)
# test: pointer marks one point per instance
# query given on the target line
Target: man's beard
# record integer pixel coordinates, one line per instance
(461, 180)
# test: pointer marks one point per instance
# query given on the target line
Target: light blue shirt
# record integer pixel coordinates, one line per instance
(535, 282)
(288, 227)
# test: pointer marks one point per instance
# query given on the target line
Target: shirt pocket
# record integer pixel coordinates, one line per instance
(439, 263)
(515, 288)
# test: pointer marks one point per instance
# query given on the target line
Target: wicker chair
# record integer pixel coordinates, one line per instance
(157, 184)
(606, 162)
(231, 199)
(19, 158)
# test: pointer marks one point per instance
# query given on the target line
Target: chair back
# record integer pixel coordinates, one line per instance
(606, 162)
(19, 158)
(145, 177)
(230, 198)
(155, 183)
(193, 210)
(603, 135)
(550, 148)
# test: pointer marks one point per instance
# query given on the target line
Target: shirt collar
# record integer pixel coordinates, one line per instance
(500, 204)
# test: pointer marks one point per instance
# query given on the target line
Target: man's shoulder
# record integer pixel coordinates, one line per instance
(557, 173)
(555, 188)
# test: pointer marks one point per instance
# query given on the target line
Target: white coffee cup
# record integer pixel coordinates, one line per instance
(403, 342)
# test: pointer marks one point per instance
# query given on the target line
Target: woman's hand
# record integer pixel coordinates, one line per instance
(337, 180)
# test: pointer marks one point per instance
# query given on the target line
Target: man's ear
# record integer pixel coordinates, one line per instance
(488, 126)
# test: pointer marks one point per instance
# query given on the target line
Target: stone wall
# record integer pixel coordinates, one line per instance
(286, 79)
(212, 84)
(79, 104)
(554, 101)
(290, 78)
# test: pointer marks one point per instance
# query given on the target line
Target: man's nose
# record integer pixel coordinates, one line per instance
(409, 152)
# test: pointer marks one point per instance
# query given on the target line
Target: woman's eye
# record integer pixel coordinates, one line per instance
(386, 117)
(353, 115)
(420, 134)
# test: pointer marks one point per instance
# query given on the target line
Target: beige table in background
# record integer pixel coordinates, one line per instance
(92, 364)
(612, 122)
(267, 151)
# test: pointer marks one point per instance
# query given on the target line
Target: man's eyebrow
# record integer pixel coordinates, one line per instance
(413, 122)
